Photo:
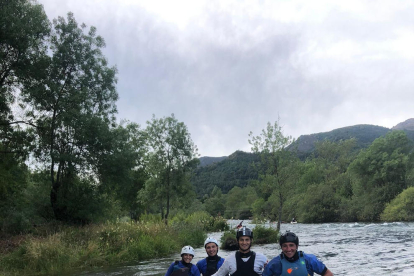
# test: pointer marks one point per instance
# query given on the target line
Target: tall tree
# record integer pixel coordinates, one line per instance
(24, 28)
(76, 95)
(121, 166)
(278, 161)
(172, 157)
(378, 174)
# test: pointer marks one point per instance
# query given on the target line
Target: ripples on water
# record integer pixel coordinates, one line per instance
(345, 248)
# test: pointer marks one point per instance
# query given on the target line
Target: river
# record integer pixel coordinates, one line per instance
(345, 248)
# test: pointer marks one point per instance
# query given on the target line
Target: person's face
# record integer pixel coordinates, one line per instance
(211, 249)
(244, 244)
(289, 249)
(187, 258)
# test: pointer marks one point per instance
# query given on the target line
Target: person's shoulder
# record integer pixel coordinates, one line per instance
(260, 256)
(201, 261)
(275, 260)
(311, 258)
(308, 256)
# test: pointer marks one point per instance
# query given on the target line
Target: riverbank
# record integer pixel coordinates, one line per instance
(76, 248)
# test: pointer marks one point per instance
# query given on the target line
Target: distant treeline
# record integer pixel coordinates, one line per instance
(338, 182)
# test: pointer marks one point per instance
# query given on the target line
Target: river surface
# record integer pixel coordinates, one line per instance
(345, 248)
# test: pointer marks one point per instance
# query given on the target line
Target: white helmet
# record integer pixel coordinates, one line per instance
(210, 239)
(187, 250)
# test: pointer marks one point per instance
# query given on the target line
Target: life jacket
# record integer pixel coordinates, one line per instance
(296, 268)
(180, 271)
(245, 268)
(210, 266)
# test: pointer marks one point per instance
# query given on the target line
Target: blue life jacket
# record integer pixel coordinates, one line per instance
(180, 270)
(296, 268)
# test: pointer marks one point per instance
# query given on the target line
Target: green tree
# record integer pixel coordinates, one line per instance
(215, 204)
(120, 161)
(23, 29)
(378, 174)
(400, 208)
(172, 157)
(239, 202)
(75, 97)
(323, 184)
(279, 162)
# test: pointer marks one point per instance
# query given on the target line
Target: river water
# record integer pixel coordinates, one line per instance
(345, 248)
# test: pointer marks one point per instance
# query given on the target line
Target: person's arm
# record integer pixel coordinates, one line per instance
(317, 265)
(200, 266)
(327, 273)
(170, 270)
(195, 271)
(224, 270)
(273, 268)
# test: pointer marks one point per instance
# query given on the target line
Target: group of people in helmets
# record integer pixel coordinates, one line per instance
(246, 262)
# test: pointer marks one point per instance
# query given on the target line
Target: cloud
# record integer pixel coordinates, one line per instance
(226, 68)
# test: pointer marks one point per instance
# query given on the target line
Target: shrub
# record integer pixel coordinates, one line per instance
(265, 235)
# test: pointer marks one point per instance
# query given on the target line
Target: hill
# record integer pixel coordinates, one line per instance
(238, 169)
(235, 170)
(207, 160)
(365, 135)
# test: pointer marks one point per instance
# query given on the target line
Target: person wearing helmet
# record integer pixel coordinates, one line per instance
(244, 262)
(294, 262)
(184, 267)
(213, 262)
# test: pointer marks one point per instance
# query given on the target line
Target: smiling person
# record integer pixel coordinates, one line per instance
(293, 262)
(184, 267)
(208, 266)
(244, 262)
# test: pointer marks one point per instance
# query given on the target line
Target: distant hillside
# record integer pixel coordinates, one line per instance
(406, 125)
(235, 170)
(206, 160)
(365, 135)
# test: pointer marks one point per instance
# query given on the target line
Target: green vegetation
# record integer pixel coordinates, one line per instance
(262, 235)
(400, 208)
(76, 248)
(87, 169)
(337, 183)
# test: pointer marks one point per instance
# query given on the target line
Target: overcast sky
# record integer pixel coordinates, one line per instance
(226, 68)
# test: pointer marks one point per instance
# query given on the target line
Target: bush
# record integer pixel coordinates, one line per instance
(264, 235)
(228, 240)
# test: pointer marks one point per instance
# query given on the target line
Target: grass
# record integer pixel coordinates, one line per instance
(77, 248)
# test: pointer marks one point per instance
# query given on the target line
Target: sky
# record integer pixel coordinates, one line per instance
(226, 68)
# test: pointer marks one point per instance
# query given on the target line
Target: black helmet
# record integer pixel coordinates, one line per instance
(289, 237)
(244, 231)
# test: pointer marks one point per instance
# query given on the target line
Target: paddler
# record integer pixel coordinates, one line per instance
(244, 262)
(293, 262)
(184, 267)
(208, 266)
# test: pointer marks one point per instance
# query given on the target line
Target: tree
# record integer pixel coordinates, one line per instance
(23, 29)
(378, 174)
(75, 96)
(171, 159)
(121, 166)
(400, 208)
(272, 144)
(323, 184)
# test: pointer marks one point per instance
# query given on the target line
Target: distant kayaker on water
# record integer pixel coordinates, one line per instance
(213, 262)
(244, 262)
(240, 225)
(184, 267)
(294, 262)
